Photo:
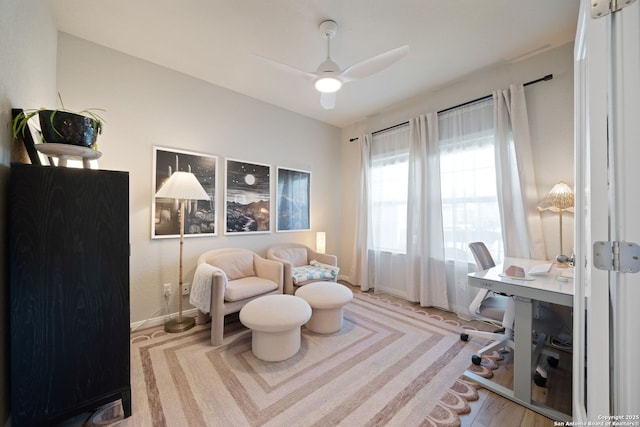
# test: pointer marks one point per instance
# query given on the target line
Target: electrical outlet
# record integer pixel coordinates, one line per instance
(167, 289)
(186, 288)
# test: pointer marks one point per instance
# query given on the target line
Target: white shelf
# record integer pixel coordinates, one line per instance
(66, 151)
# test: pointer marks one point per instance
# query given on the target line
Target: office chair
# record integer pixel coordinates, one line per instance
(490, 307)
(494, 307)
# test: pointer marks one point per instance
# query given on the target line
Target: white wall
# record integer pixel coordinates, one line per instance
(27, 79)
(550, 108)
(150, 105)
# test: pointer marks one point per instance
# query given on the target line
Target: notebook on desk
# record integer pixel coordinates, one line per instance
(540, 269)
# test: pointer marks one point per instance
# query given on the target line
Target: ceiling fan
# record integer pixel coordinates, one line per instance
(329, 78)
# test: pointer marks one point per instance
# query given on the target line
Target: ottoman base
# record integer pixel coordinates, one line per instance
(325, 321)
(275, 346)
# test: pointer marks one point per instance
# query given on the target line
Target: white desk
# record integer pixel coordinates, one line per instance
(545, 288)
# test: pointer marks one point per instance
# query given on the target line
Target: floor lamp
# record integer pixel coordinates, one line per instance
(181, 186)
(559, 199)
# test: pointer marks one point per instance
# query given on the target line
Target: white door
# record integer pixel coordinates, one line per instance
(624, 125)
(607, 120)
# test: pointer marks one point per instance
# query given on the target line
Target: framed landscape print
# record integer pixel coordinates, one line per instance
(294, 189)
(247, 197)
(200, 215)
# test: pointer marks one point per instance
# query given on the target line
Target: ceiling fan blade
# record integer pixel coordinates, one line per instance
(286, 67)
(328, 100)
(374, 64)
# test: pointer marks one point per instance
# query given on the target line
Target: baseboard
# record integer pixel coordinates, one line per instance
(159, 321)
(344, 278)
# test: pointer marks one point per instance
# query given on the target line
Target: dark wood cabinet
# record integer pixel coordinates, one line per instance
(69, 292)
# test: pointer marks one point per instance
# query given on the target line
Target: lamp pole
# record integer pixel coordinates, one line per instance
(182, 244)
(180, 324)
(560, 212)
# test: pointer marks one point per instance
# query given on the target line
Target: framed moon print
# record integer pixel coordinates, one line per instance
(293, 194)
(200, 215)
(247, 197)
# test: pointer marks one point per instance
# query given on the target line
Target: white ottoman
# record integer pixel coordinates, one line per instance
(275, 322)
(326, 300)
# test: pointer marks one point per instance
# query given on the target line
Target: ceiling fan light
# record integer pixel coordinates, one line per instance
(328, 84)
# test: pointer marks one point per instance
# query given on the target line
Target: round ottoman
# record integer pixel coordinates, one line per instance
(326, 300)
(275, 322)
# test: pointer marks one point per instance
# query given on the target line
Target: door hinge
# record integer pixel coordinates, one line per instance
(600, 8)
(623, 257)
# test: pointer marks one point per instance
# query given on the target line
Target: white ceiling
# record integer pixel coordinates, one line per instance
(215, 40)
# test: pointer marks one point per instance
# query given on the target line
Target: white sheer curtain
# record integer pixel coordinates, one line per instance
(389, 169)
(517, 191)
(399, 212)
(429, 189)
(425, 245)
(469, 194)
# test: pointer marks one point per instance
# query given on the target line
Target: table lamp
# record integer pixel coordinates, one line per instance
(181, 186)
(321, 241)
(559, 199)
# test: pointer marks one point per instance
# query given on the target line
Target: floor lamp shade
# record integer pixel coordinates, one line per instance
(181, 186)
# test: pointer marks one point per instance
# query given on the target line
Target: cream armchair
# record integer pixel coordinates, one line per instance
(293, 255)
(237, 277)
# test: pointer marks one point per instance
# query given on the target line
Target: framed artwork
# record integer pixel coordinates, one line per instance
(293, 200)
(200, 215)
(247, 197)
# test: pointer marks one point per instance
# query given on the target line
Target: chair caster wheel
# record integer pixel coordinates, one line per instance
(476, 360)
(539, 380)
(553, 362)
(464, 337)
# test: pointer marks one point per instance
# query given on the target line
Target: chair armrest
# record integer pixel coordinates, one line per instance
(269, 269)
(217, 308)
(323, 258)
(217, 293)
(286, 272)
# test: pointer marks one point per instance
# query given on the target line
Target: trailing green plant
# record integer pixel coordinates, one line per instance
(21, 121)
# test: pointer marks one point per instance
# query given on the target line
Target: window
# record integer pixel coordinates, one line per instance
(389, 189)
(468, 180)
(470, 209)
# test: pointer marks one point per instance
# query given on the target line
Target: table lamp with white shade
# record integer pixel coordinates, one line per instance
(181, 186)
(321, 242)
(559, 199)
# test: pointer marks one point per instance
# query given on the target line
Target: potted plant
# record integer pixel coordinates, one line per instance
(63, 126)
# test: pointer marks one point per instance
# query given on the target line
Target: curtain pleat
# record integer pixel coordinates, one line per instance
(425, 243)
(515, 178)
(359, 275)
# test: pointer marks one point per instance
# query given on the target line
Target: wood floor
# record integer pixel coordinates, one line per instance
(493, 410)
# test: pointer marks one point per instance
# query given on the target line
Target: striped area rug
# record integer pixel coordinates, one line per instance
(390, 365)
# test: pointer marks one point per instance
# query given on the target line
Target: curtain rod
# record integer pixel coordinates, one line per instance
(541, 79)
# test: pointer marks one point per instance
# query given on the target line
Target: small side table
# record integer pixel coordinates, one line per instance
(66, 151)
